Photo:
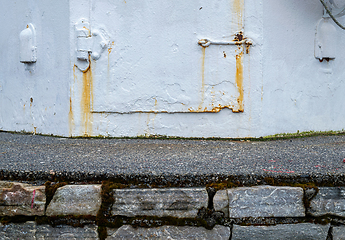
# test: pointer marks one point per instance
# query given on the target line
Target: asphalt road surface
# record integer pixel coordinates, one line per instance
(22, 154)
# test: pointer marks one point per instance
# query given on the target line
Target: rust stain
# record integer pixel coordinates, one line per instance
(238, 6)
(86, 99)
(202, 78)
(248, 44)
(239, 80)
(156, 103)
(214, 109)
(224, 54)
(111, 47)
(89, 33)
(262, 92)
(239, 37)
(74, 76)
(109, 51)
(70, 117)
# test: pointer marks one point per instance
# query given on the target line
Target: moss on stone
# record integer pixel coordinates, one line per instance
(50, 190)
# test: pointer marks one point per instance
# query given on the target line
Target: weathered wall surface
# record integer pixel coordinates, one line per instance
(299, 92)
(34, 97)
(153, 78)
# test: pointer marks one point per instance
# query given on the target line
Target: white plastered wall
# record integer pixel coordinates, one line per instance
(34, 98)
(285, 89)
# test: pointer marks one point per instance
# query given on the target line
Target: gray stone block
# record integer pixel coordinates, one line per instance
(329, 200)
(21, 199)
(18, 231)
(221, 202)
(75, 200)
(266, 201)
(175, 202)
(301, 231)
(30, 230)
(338, 233)
(169, 232)
(46, 232)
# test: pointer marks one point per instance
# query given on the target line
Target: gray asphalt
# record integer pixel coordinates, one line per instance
(22, 155)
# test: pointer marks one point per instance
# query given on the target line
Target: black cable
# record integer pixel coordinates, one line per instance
(331, 15)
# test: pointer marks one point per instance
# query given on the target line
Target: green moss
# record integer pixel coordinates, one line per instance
(269, 181)
(279, 136)
(50, 190)
(301, 135)
(102, 232)
(71, 220)
(16, 219)
(104, 212)
(218, 186)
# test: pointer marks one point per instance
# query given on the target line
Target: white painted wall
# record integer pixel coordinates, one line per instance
(35, 99)
(154, 79)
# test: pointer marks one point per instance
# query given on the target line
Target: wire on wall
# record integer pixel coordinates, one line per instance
(331, 15)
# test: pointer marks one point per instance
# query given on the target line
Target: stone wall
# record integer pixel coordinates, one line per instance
(107, 211)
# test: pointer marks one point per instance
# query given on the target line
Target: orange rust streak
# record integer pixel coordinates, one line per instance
(156, 103)
(86, 99)
(213, 110)
(239, 80)
(202, 78)
(111, 48)
(70, 117)
(238, 6)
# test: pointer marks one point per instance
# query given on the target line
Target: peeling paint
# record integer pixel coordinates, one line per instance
(214, 109)
(162, 51)
(238, 79)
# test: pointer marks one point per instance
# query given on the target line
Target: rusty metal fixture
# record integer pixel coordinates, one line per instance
(238, 40)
